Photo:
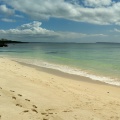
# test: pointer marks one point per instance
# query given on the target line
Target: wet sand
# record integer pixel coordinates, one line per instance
(30, 93)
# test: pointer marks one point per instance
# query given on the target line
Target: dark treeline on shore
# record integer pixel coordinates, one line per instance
(5, 42)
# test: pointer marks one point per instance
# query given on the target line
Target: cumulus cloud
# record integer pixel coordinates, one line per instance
(5, 10)
(34, 30)
(28, 29)
(103, 12)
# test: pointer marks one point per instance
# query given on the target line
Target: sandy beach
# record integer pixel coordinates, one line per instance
(28, 93)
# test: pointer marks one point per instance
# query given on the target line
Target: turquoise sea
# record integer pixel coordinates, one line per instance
(98, 61)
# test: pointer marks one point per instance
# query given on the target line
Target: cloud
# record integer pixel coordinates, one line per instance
(5, 10)
(28, 29)
(116, 30)
(19, 16)
(74, 2)
(34, 31)
(7, 20)
(97, 3)
(102, 12)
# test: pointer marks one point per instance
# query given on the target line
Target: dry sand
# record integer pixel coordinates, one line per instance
(27, 93)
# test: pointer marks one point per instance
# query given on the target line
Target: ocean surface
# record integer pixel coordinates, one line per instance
(98, 61)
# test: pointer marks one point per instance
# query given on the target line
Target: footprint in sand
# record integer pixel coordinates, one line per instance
(27, 100)
(19, 105)
(0, 88)
(34, 110)
(44, 113)
(12, 91)
(26, 111)
(67, 111)
(49, 109)
(13, 97)
(34, 106)
(20, 95)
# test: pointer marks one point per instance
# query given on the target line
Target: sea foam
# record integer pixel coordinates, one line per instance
(69, 70)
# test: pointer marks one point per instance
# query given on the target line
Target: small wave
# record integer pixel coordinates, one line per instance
(52, 52)
(56, 52)
(69, 70)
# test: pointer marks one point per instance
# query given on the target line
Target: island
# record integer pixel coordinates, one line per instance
(5, 42)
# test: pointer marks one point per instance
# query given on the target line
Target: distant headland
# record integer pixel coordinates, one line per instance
(5, 42)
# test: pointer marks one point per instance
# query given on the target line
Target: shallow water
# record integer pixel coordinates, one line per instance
(95, 60)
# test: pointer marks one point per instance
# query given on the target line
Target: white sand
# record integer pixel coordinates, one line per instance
(29, 94)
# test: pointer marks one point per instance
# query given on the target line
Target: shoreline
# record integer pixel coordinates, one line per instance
(88, 77)
(66, 75)
(27, 92)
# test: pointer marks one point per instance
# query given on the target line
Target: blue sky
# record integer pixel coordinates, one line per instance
(60, 20)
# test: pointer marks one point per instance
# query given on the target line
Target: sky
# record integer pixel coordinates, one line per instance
(83, 21)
